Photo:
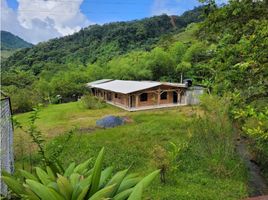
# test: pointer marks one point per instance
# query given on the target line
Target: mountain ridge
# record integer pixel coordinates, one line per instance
(10, 41)
(100, 43)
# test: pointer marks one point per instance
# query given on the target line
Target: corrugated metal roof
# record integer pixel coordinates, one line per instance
(126, 87)
(98, 82)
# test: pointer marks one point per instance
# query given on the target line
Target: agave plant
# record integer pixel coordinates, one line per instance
(79, 182)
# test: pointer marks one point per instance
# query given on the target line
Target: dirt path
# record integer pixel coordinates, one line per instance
(257, 184)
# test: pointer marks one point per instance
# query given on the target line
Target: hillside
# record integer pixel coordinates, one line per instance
(11, 43)
(101, 43)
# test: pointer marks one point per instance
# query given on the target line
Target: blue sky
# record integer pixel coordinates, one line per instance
(40, 20)
(103, 11)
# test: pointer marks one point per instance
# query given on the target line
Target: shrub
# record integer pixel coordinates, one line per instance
(91, 102)
(22, 100)
(79, 182)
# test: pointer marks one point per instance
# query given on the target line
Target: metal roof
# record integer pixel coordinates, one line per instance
(98, 82)
(126, 87)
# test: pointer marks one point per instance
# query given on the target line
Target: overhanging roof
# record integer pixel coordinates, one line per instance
(126, 87)
(98, 82)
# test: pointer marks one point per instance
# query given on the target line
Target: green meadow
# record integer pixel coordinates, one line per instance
(192, 146)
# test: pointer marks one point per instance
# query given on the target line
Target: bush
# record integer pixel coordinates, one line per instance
(22, 100)
(91, 102)
(79, 182)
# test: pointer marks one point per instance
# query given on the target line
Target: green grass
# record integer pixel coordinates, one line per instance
(205, 168)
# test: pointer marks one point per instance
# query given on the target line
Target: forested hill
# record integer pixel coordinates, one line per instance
(101, 43)
(12, 42)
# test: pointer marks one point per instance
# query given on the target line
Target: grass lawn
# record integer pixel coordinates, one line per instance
(204, 166)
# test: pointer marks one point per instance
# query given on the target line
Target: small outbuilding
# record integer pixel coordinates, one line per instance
(139, 95)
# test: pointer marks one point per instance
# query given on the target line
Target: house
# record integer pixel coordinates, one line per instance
(139, 95)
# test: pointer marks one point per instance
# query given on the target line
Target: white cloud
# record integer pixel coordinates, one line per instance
(40, 20)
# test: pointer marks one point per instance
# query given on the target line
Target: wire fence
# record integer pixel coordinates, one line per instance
(6, 145)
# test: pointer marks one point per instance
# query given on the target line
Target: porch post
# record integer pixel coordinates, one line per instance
(178, 96)
(158, 96)
(137, 100)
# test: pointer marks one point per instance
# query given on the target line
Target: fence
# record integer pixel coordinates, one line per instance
(6, 145)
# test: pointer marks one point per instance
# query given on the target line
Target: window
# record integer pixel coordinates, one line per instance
(117, 96)
(143, 97)
(163, 96)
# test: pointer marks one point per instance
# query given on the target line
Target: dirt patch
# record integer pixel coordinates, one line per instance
(258, 198)
(86, 130)
(127, 119)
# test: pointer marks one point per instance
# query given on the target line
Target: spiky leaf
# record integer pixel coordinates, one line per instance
(28, 175)
(96, 173)
(123, 195)
(50, 173)
(117, 179)
(103, 193)
(43, 176)
(137, 193)
(65, 187)
(105, 174)
(14, 185)
(128, 183)
(82, 167)
(42, 191)
(69, 170)
(146, 181)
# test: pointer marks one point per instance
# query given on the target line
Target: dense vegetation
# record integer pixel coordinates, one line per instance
(227, 52)
(100, 43)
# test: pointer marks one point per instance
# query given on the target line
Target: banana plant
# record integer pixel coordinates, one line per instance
(79, 182)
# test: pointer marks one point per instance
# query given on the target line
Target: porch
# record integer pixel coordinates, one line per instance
(133, 109)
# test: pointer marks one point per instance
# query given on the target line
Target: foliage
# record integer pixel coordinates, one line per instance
(79, 182)
(131, 66)
(91, 102)
(161, 160)
(255, 125)
(239, 32)
(22, 100)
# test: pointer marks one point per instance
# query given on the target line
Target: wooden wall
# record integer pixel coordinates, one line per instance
(152, 99)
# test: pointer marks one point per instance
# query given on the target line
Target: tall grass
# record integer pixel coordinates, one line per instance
(213, 138)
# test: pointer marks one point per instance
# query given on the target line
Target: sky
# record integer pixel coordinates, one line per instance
(40, 20)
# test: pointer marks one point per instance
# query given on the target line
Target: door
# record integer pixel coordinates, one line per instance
(175, 97)
(109, 96)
